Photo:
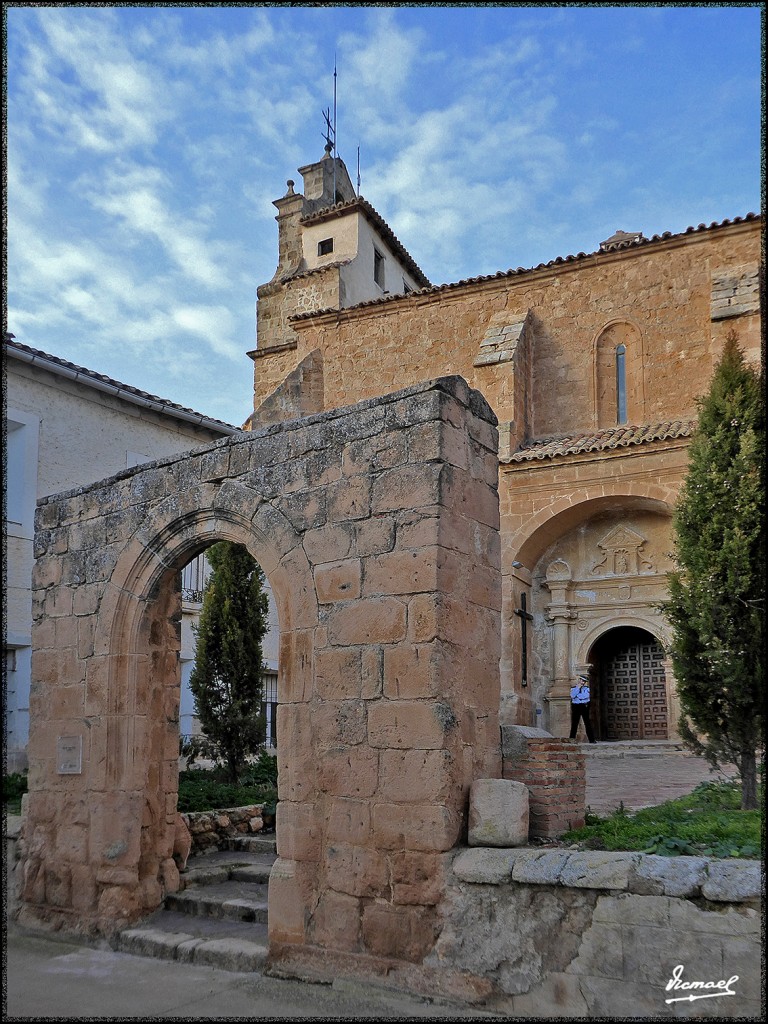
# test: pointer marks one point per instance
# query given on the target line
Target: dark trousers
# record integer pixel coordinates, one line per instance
(581, 711)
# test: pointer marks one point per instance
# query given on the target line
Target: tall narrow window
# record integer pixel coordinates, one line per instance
(378, 268)
(621, 384)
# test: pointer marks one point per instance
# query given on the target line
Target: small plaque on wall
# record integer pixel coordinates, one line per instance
(69, 755)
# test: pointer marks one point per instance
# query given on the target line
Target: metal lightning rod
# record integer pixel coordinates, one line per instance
(335, 148)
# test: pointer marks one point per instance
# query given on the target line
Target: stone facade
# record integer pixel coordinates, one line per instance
(593, 365)
(377, 527)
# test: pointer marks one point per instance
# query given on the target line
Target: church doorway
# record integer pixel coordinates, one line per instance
(628, 666)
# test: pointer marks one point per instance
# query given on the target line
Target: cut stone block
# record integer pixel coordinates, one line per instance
(498, 813)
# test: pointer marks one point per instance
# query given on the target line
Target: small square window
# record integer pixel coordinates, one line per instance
(324, 247)
(378, 268)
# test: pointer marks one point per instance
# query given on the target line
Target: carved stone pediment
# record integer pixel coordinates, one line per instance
(621, 553)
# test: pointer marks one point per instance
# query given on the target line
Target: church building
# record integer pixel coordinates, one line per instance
(593, 364)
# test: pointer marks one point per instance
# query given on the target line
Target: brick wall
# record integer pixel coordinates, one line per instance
(553, 770)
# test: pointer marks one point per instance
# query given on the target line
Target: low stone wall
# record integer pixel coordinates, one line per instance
(212, 830)
(556, 933)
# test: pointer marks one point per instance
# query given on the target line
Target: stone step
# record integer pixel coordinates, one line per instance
(223, 865)
(215, 942)
(238, 900)
(253, 844)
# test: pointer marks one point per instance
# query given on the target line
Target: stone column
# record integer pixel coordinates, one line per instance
(560, 614)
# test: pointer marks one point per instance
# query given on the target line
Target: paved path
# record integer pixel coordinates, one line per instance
(642, 774)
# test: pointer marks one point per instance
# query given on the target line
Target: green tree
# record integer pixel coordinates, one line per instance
(226, 680)
(716, 596)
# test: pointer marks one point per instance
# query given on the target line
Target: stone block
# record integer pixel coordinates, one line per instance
(484, 866)
(348, 771)
(418, 877)
(402, 933)
(414, 671)
(515, 741)
(732, 880)
(338, 673)
(401, 572)
(406, 487)
(539, 867)
(418, 776)
(289, 901)
(426, 827)
(599, 870)
(374, 620)
(349, 821)
(338, 581)
(356, 870)
(670, 876)
(337, 920)
(409, 724)
(498, 813)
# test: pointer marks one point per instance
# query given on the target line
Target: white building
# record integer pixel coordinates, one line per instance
(66, 426)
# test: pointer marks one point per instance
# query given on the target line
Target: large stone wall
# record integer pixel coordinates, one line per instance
(555, 933)
(377, 527)
(664, 291)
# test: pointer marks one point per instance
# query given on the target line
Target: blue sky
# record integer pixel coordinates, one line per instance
(145, 146)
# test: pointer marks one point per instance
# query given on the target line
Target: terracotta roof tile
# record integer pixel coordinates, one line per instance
(579, 442)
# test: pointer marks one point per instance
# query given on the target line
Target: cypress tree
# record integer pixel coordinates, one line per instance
(226, 680)
(716, 595)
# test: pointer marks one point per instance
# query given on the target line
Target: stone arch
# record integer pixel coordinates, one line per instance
(567, 512)
(627, 334)
(634, 695)
(656, 626)
(594, 595)
(139, 617)
(377, 527)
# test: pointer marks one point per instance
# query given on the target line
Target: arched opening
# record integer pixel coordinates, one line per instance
(194, 578)
(143, 726)
(630, 695)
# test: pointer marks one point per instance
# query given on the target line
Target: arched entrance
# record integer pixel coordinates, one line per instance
(387, 585)
(629, 686)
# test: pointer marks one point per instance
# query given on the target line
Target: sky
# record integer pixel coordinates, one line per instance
(145, 145)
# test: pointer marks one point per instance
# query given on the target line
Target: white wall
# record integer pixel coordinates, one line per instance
(357, 278)
(62, 434)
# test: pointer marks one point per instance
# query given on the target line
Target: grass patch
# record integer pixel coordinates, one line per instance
(708, 822)
(205, 789)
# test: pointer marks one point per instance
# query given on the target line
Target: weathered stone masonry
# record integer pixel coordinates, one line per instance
(378, 529)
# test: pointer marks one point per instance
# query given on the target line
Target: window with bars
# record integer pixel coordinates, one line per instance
(269, 706)
(193, 579)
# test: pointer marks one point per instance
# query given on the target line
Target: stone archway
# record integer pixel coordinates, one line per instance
(377, 527)
(630, 686)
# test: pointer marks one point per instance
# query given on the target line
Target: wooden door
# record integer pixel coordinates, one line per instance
(635, 693)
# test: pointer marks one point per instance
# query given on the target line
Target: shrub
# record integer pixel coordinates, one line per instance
(14, 788)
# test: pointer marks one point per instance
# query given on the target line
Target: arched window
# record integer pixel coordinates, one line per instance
(618, 376)
(621, 383)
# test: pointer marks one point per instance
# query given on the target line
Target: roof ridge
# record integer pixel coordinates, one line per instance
(10, 342)
(557, 261)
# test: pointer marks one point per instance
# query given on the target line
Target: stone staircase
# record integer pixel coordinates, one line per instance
(219, 918)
